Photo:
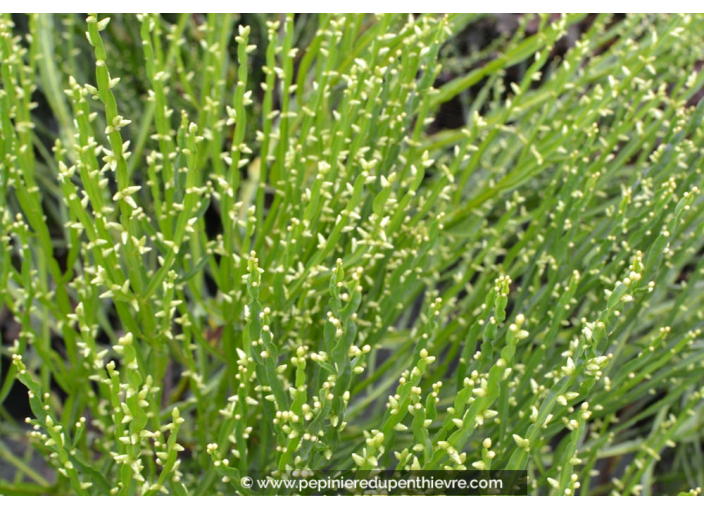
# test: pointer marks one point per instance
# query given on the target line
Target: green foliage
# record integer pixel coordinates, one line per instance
(292, 272)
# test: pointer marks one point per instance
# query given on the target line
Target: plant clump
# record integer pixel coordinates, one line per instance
(233, 244)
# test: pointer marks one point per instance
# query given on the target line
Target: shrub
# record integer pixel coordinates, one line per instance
(244, 244)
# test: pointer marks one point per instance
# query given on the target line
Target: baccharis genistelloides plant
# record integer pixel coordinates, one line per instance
(232, 244)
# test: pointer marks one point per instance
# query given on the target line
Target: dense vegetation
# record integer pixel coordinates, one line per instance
(256, 243)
